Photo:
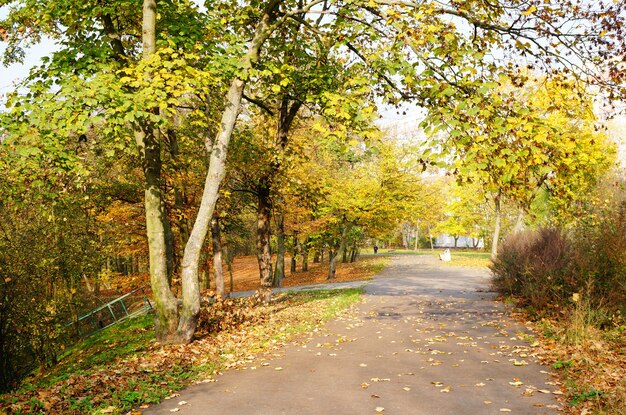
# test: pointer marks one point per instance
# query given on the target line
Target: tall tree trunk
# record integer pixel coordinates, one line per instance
(203, 272)
(334, 253)
(263, 243)
(178, 186)
(317, 255)
(279, 272)
(305, 255)
(430, 236)
(218, 272)
(417, 236)
(294, 256)
(147, 141)
(229, 265)
(496, 228)
(342, 245)
(332, 263)
(215, 174)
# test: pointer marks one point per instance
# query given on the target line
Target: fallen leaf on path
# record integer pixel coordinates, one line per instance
(174, 409)
(406, 388)
(379, 409)
(278, 368)
(375, 396)
(182, 403)
(505, 410)
(365, 385)
(487, 402)
(363, 365)
(447, 389)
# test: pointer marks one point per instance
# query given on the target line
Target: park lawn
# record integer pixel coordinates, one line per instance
(460, 257)
(122, 367)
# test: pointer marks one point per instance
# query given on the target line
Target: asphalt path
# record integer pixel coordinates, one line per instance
(427, 339)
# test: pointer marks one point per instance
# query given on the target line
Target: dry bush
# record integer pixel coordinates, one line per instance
(534, 265)
(600, 259)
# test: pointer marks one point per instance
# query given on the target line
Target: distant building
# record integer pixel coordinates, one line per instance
(447, 241)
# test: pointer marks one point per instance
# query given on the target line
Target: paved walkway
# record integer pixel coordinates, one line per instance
(427, 340)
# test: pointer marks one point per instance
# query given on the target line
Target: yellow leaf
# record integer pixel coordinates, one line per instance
(530, 10)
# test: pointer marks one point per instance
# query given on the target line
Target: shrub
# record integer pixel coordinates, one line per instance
(533, 265)
(546, 267)
(600, 258)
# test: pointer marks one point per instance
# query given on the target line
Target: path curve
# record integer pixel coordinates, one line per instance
(427, 340)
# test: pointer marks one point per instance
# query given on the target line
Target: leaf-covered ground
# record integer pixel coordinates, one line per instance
(123, 367)
(591, 364)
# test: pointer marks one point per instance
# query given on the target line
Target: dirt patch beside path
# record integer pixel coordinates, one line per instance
(246, 273)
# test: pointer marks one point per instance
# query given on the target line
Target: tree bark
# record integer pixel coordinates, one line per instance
(294, 256)
(279, 272)
(218, 272)
(496, 229)
(146, 139)
(430, 236)
(317, 255)
(332, 266)
(263, 243)
(215, 174)
(305, 255)
(229, 265)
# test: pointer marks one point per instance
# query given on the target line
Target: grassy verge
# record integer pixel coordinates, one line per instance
(460, 258)
(123, 367)
(587, 357)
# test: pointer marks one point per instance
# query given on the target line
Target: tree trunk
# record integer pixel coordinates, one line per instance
(296, 248)
(218, 272)
(496, 229)
(263, 244)
(147, 142)
(203, 272)
(179, 203)
(229, 266)
(279, 272)
(215, 174)
(417, 236)
(305, 255)
(332, 266)
(342, 246)
(317, 255)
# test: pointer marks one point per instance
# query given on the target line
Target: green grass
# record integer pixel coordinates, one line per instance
(120, 368)
(379, 264)
(104, 347)
(460, 257)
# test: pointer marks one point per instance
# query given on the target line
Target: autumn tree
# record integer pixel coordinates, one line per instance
(517, 140)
